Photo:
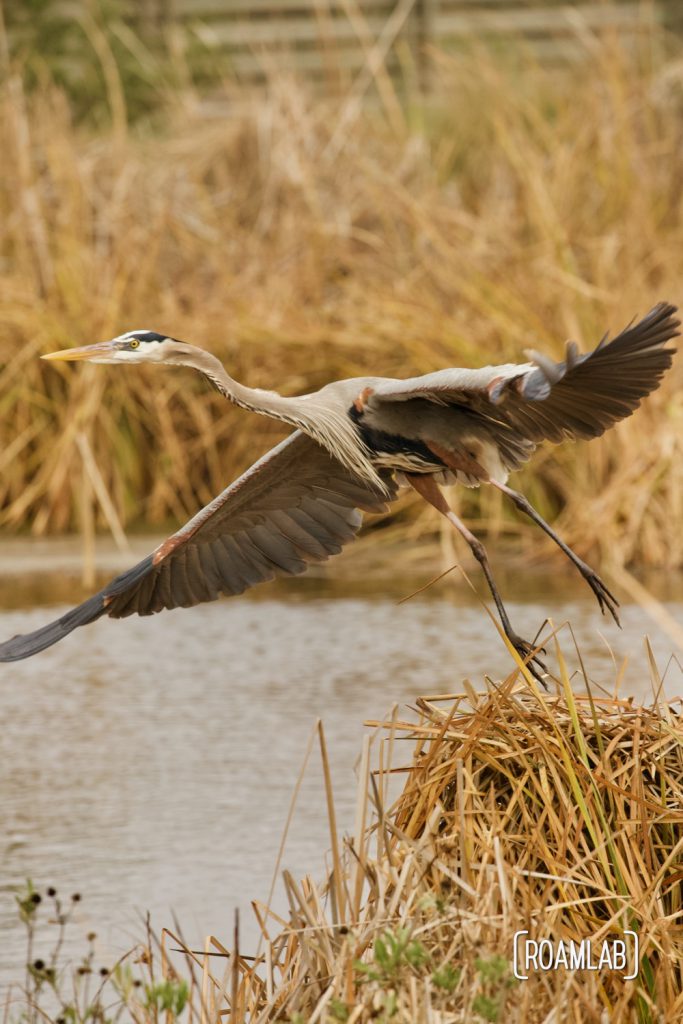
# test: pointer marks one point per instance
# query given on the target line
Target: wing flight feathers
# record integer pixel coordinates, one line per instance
(294, 506)
(544, 400)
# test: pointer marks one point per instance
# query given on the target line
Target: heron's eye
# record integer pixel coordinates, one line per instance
(134, 343)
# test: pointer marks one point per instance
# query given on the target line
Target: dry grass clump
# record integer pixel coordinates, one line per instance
(304, 239)
(562, 815)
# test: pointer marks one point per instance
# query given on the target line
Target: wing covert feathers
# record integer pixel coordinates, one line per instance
(579, 397)
(294, 506)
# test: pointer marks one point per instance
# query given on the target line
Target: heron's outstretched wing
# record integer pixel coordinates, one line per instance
(294, 506)
(544, 400)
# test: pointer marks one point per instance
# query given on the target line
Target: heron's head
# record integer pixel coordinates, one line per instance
(131, 347)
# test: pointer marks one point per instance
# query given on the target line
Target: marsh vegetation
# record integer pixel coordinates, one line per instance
(558, 814)
(303, 238)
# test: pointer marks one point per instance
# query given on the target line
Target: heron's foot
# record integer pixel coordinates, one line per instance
(605, 598)
(528, 652)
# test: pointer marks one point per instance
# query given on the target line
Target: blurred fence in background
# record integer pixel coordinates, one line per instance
(326, 39)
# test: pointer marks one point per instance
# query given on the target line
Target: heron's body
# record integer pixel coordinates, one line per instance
(404, 437)
(354, 441)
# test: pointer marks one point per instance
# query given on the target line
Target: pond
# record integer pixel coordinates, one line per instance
(148, 764)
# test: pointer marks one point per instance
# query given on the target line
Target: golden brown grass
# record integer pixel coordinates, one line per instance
(304, 239)
(561, 814)
(478, 814)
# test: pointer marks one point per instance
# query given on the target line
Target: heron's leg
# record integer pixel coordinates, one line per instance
(606, 600)
(427, 488)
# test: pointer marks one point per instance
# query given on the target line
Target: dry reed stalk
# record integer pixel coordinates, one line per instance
(495, 216)
(561, 814)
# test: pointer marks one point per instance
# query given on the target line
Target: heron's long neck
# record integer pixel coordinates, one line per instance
(323, 420)
(269, 403)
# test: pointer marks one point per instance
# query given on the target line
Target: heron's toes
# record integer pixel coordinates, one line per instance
(605, 598)
(529, 654)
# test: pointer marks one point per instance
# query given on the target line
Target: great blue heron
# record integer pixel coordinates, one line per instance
(354, 441)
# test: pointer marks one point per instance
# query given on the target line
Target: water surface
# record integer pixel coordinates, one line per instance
(149, 763)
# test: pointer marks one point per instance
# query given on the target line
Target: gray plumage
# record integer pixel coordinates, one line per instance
(354, 440)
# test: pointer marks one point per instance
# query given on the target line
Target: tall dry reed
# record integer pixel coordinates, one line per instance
(560, 816)
(478, 814)
(303, 239)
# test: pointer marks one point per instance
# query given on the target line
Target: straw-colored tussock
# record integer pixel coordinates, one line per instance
(303, 240)
(560, 815)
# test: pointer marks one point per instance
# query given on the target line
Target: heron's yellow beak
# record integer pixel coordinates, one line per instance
(91, 352)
